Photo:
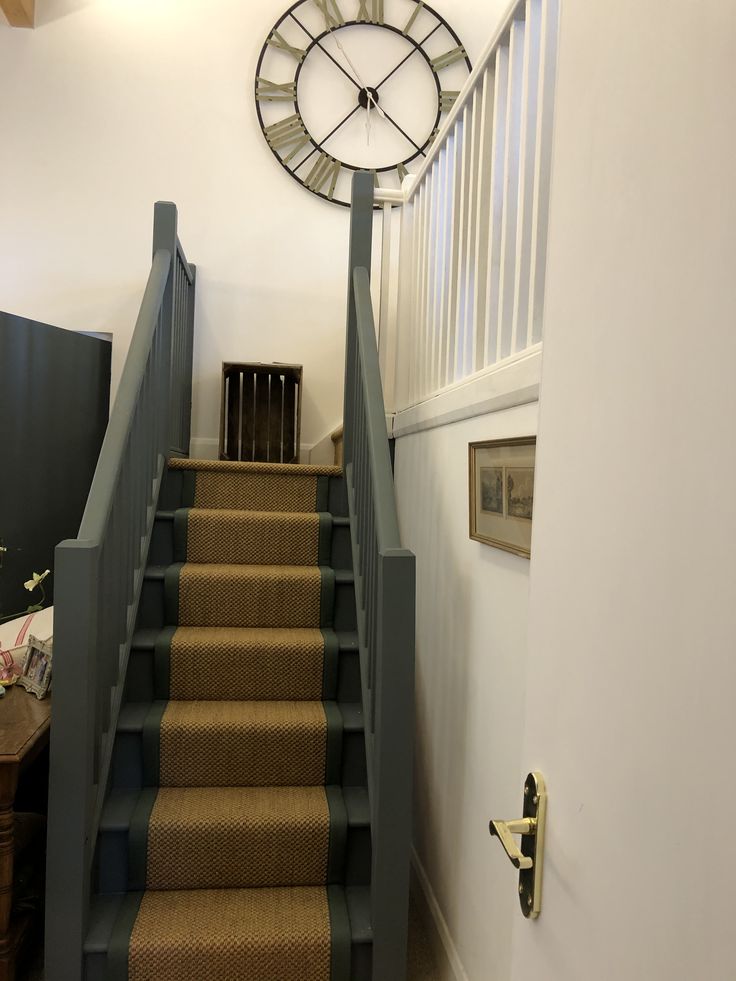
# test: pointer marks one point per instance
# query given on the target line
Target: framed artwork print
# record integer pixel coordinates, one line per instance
(501, 481)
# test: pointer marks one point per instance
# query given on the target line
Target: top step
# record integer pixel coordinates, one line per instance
(229, 484)
(236, 467)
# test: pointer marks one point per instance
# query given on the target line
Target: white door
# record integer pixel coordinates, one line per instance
(631, 686)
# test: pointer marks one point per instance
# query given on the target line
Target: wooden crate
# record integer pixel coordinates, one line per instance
(261, 412)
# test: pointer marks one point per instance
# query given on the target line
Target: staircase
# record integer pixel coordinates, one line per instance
(231, 759)
(235, 841)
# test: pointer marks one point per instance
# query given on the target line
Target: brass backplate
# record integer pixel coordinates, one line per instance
(530, 880)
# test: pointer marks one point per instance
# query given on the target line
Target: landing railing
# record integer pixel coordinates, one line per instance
(98, 579)
(462, 286)
(385, 595)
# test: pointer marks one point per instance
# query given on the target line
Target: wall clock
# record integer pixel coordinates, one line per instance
(346, 85)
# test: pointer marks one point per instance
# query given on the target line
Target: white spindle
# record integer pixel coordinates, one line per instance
(425, 339)
(454, 142)
(511, 191)
(462, 247)
(405, 324)
(498, 179)
(483, 224)
(474, 188)
(446, 264)
(437, 265)
(527, 159)
(543, 163)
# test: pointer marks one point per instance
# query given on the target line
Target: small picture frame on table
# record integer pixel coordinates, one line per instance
(501, 492)
(36, 672)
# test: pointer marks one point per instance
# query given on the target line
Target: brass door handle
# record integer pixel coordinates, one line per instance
(528, 857)
(503, 830)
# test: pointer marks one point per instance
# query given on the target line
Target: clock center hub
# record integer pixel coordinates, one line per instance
(363, 97)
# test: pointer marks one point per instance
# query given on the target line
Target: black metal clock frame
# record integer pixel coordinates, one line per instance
(315, 41)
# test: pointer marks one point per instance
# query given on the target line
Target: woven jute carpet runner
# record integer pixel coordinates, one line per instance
(239, 834)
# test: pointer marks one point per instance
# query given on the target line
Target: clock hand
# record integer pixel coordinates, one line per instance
(372, 101)
(325, 51)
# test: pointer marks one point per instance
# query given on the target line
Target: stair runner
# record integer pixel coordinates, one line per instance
(237, 842)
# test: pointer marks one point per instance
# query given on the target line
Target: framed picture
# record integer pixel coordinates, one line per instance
(501, 484)
(36, 673)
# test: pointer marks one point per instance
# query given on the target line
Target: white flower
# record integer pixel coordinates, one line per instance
(38, 577)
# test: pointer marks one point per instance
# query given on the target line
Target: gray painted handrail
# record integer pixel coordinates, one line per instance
(385, 603)
(98, 578)
(387, 522)
(107, 474)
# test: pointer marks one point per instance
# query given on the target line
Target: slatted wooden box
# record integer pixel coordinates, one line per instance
(261, 412)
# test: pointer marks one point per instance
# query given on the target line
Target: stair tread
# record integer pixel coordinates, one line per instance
(244, 467)
(352, 716)
(105, 909)
(102, 916)
(145, 639)
(120, 804)
(359, 910)
(133, 714)
(357, 806)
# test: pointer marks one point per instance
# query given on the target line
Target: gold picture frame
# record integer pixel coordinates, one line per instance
(501, 493)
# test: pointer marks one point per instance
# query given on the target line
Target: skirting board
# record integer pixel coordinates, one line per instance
(445, 952)
(206, 448)
(512, 382)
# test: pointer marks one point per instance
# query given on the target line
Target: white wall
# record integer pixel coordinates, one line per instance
(631, 680)
(110, 105)
(471, 633)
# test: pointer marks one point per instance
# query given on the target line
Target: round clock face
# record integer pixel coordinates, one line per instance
(346, 85)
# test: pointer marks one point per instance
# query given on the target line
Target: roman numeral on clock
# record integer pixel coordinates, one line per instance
(324, 173)
(449, 58)
(331, 13)
(376, 14)
(448, 100)
(410, 22)
(267, 91)
(286, 133)
(277, 41)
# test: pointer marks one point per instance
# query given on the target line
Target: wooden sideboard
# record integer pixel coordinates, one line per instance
(24, 733)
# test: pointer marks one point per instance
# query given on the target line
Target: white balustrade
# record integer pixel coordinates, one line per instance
(463, 270)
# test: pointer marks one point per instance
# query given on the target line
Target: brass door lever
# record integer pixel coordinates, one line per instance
(504, 831)
(529, 856)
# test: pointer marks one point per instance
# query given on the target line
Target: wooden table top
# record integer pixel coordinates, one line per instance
(24, 722)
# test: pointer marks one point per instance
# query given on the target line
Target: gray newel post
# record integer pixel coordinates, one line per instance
(73, 779)
(361, 245)
(165, 237)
